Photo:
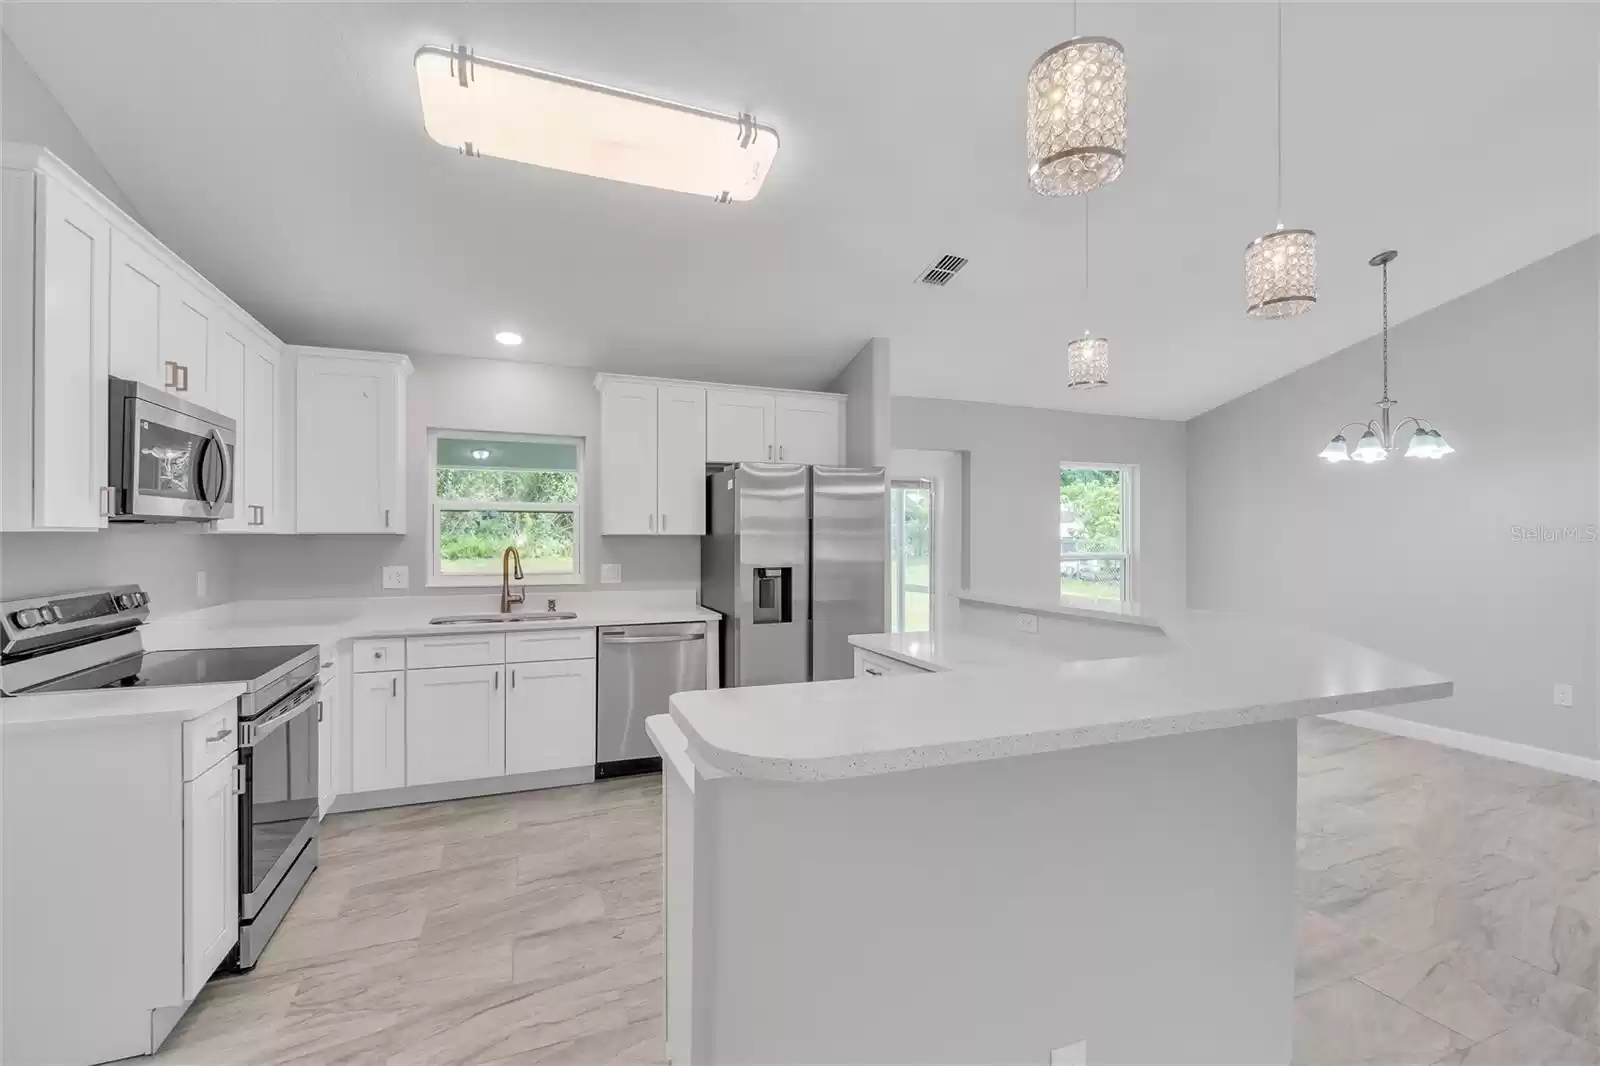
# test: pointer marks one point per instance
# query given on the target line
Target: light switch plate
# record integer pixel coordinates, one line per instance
(1563, 695)
(610, 573)
(397, 577)
(1028, 623)
(1071, 1055)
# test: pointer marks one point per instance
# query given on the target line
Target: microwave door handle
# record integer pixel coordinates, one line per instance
(215, 503)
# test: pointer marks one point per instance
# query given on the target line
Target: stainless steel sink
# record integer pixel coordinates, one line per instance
(490, 619)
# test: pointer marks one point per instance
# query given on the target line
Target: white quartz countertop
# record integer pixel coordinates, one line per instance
(177, 702)
(951, 650)
(1216, 671)
(326, 622)
(1067, 607)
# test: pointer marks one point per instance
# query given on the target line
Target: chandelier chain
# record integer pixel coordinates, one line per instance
(1279, 111)
(1386, 332)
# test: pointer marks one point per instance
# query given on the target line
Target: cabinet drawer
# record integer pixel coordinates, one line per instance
(371, 656)
(465, 649)
(870, 665)
(209, 738)
(546, 647)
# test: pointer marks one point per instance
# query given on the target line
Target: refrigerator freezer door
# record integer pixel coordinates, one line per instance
(771, 528)
(849, 561)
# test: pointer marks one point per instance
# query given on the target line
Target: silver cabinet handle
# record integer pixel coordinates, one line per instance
(513, 679)
(497, 681)
(780, 451)
(183, 377)
(653, 640)
(238, 780)
(221, 734)
(394, 686)
(106, 498)
(663, 521)
(171, 381)
(769, 451)
(872, 671)
(386, 518)
(652, 523)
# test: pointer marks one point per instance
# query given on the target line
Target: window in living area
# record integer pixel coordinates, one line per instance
(1097, 504)
(497, 490)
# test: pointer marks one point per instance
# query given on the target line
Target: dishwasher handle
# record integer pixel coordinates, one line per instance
(679, 638)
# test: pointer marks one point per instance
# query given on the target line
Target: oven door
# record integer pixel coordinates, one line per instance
(174, 464)
(278, 815)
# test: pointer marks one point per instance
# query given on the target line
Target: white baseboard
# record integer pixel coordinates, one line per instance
(1557, 761)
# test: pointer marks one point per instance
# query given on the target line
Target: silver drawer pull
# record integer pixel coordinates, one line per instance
(653, 640)
(221, 734)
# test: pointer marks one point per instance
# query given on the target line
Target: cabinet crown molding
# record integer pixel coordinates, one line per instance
(602, 378)
(403, 362)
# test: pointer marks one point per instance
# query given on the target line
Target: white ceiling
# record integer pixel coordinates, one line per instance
(280, 149)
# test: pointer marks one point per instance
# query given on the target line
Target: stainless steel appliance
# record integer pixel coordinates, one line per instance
(795, 560)
(169, 459)
(640, 667)
(87, 640)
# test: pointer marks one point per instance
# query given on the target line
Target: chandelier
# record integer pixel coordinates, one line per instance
(1280, 267)
(1077, 115)
(1378, 437)
(1088, 357)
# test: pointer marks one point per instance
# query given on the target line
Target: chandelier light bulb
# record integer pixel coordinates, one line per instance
(1369, 449)
(1077, 116)
(1337, 450)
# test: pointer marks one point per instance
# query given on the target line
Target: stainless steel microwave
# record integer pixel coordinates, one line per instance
(170, 459)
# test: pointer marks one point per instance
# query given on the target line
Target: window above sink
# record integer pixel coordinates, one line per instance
(497, 490)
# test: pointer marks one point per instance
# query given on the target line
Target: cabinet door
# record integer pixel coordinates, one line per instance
(627, 458)
(186, 340)
(550, 716)
(70, 360)
(681, 460)
(808, 430)
(345, 425)
(739, 426)
(227, 372)
(137, 281)
(378, 731)
(210, 873)
(260, 435)
(455, 724)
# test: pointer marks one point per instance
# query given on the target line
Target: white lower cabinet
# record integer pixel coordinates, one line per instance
(210, 872)
(455, 724)
(550, 716)
(378, 731)
(327, 745)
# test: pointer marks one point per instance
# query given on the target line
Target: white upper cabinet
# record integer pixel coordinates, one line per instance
(652, 458)
(741, 426)
(349, 442)
(226, 372)
(54, 273)
(137, 281)
(187, 335)
(680, 460)
(809, 429)
(627, 457)
(266, 453)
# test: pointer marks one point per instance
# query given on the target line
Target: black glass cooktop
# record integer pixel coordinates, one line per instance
(204, 666)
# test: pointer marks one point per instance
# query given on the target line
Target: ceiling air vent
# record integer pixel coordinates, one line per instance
(942, 271)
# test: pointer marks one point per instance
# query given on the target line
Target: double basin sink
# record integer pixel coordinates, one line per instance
(490, 619)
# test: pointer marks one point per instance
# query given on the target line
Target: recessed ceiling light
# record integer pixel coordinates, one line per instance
(508, 338)
(487, 107)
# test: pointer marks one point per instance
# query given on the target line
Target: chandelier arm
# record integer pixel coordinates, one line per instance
(1395, 434)
(1347, 425)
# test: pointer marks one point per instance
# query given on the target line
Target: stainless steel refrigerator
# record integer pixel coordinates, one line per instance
(795, 559)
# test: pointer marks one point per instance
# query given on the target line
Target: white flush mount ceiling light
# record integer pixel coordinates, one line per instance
(1077, 115)
(508, 338)
(1280, 267)
(1378, 437)
(487, 107)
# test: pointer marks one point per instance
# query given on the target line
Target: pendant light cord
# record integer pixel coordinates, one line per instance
(1280, 111)
(1074, 18)
(1086, 250)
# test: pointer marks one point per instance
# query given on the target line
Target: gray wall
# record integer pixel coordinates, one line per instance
(1419, 558)
(1013, 488)
(865, 380)
(30, 114)
(466, 394)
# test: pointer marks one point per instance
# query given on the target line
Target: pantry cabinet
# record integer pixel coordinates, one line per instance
(653, 458)
(550, 715)
(455, 723)
(349, 441)
(378, 731)
(54, 275)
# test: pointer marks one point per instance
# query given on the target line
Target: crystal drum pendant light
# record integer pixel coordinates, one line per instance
(1088, 357)
(1378, 437)
(1077, 115)
(1280, 267)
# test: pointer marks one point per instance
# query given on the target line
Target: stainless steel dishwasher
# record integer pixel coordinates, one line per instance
(640, 667)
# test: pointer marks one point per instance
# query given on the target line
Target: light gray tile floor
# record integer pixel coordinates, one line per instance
(1449, 913)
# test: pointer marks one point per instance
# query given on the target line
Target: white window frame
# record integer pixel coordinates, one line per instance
(1130, 525)
(436, 577)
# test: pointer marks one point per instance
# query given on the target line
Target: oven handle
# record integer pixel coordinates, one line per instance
(252, 733)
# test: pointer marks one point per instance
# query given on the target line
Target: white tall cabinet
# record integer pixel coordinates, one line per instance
(653, 458)
(350, 441)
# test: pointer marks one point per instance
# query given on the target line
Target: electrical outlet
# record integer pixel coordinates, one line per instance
(1071, 1055)
(610, 573)
(397, 577)
(200, 584)
(1028, 623)
(1563, 695)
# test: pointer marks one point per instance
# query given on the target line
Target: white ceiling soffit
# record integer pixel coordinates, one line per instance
(280, 148)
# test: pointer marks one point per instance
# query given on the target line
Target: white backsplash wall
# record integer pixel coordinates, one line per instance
(465, 394)
(165, 559)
